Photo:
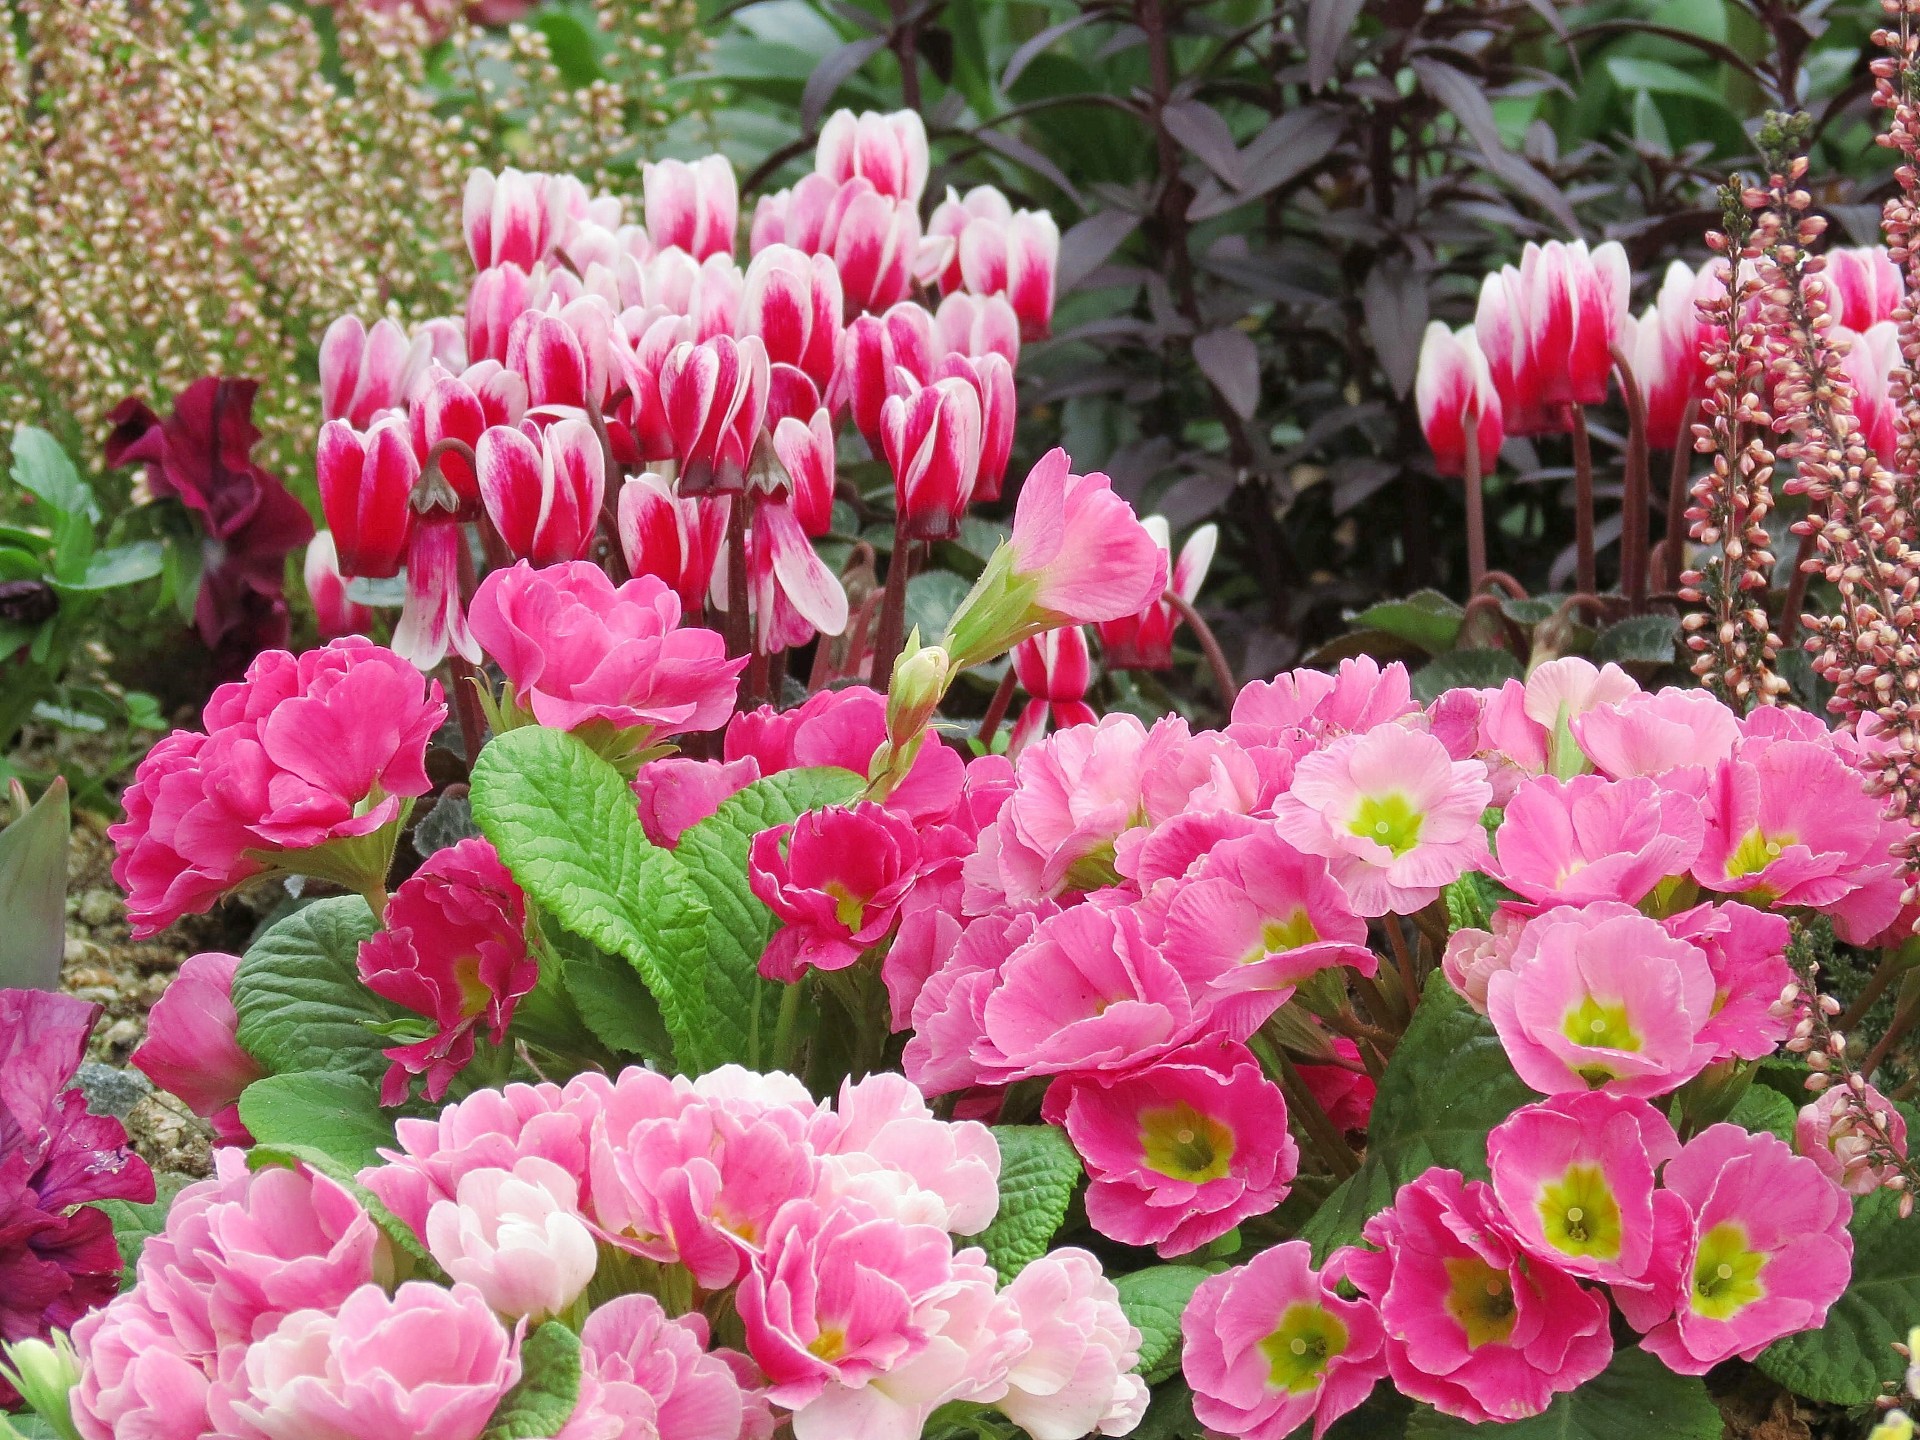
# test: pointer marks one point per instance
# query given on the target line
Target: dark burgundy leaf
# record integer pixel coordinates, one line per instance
(1466, 99)
(1033, 49)
(1395, 301)
(1329, 22)
(1231, 361)
(1085, 247)
(1203, 133)
(835, 71)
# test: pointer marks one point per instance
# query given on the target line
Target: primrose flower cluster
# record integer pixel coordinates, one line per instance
(732, 1256)
(621, 389)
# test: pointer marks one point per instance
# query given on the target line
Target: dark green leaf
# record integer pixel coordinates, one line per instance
(1426, 617)
(1767, 1111)
(932, 597)
(337, 1115)
(33, 891)
(1155, 1299)
(122, 565)
(1649, 639)
(300, 999)
(41, 467)
(549, 1388)
(1635, 1396)
(1476, 669)
(1038, 1172)
(613, 1000)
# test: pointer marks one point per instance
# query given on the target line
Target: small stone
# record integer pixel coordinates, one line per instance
(79, 952)
(111, 1091)
(99, 907)
(122, 1033)
(95, 994)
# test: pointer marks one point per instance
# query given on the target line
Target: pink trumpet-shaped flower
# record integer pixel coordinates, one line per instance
(1056, 668)
(888, 151)
(1872, 357)
(792, 302)
(192, 1049)
(577, 649)
(454, 949)
(1834, 1133)
(1863, 284)
(511, 218)
(977, 325)
(334, 614)
(991, 377)
(1753, 1246)
(715, 399)
(677, 540)
(1473, 1327)
(1667, 350)
(1258, 915)
(1603, 998)
(1145, 641)
(874, 241)
(1575, 1175)
(366, 492)
(1568, 842)
(543, 488)
(1180, 1150)
(835, 878)
(429, 1363)
(932, 439)
(432, 623)
(363, 372)
(873, 350)
(1396, 816)
(695, 207)
(1272, 1344)
(998, 250)
(1455, 395)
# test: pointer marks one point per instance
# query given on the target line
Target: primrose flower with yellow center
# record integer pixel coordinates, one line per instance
(1752, 1245)
(1603, 998)
(1396, 816)
(1575, 1175)
(1474, 1326)
(1271, 1344)
(1180, 1151)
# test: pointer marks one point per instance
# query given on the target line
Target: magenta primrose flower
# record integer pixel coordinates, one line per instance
(1272, 1344)
(1181, 1150)
(1575, 1175)
(1746, 950)
(192, 1049)
(1753, 1245)
(1603, 998)
(1569, 842)
(454, 949)
(835, 877)
(1473, 1326)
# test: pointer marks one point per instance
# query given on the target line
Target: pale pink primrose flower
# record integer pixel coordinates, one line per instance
(883, 1121)
(1672, 735)
(1272, 1344)
(1075, 1375)
(1473, 957)
(1588, 838)
(134, 1377)
(657, 1371)
(517, 1237)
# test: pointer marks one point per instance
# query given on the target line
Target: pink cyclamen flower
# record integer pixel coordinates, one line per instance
(888, 151)
(1145, 641)
(577, 649)
(1180, 1150)
(1271, 1344)
(1870, 361)
(656, 1373)
(792, 302)
(1056, 668)
(677, 540)
(512, 218)
(454, 949)
(1473, 1326)
(1076, 1376)
(192, 1050)
(1603, 998)
(977, 325)
(714, 399)
(366, 492)
(365, 371)
(932, 438)
(543, 488)
(1864, 283)
(429, 1362)
(1834, 1133)
(874, 351)
(333, 613)
(1575, 1175)
(998, 250)
(432, 621)
(836, 878)
(1077, 555)
(1667, 346)
(1746, 950)
(1588, 838)
(1456, 399)
(695, 207)
(1397, 818)
(1753, 1246)
(305, 751)
(517, 1237)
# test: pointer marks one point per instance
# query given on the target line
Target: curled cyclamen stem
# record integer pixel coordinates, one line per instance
(1728, 629)
(1634, 512)
(1209, 645)
(1674, 554)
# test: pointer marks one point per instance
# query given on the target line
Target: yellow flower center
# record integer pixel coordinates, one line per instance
(475, 996)
(1726, 1274)
(1388, 820)
(1299, 1348)
(1580, 1215)
(1481, 1299)
(1280, 935)
(1755, 852)
(848, 908)
(1182, 1144)
(829, 1345)
(1596, 1024)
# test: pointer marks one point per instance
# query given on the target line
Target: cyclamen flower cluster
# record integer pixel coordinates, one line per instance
(627, 391)
(799, 1263)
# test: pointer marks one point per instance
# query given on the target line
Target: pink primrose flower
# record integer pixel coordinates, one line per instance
(883, 1122)
(1747, 951)
(1473, 1326)
(657, 1371)
(1670, 735)
(1180, 1150)
(1473, 957)
(517, 1237)
(1570, 842)
(835, 878)
(192, 1049)
(1271, 1344)
(1076, 1375)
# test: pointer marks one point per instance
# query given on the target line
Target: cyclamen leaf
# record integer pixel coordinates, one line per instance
(1845, 1360)
(1635, 1395)
(1039, 1169)
(566, 825)
(1476, 669)
(549, 1389)
(1448, 1084)
(337, 1116)
(300, 999)
(1426, 617)
(1154, 1299)
(713, 857)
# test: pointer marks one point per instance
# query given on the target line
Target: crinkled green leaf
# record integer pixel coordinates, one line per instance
(1426, 617)
(566, 825)
(1766, 1111)
(1470, 902)
(1039, 1169)
(549, 1388)
(300, 999)
(713, 855)
(1475, 669)
(1154, 1300)
(336, 1115)
(612, 999)
(1447, 1085)
(1634, 1398)
(1845, 1360)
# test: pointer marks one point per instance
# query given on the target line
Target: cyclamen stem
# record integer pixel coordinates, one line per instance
(1210, 646)
(738, 627)
(616, 558)
(893, 615)
(997, 708)
(1679, 484)
(1634, 518)
(1585, 574)
(1476, 509)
